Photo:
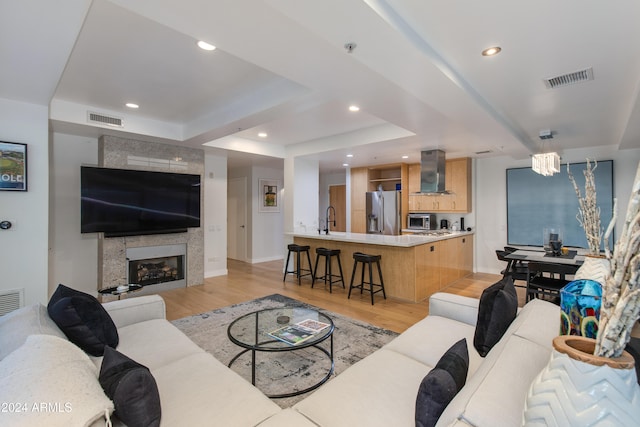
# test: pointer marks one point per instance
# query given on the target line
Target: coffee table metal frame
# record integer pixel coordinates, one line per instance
(265, 343)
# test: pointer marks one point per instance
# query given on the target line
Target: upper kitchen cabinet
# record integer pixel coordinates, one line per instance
(457, 183)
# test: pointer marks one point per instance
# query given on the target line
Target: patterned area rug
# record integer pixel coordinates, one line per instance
(283, 372)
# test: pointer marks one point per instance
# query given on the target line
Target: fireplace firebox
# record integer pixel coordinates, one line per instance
(157, 268)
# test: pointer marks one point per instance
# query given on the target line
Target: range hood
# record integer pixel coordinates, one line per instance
(432, 164)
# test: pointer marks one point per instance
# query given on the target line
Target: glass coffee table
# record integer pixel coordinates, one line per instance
(257, 331)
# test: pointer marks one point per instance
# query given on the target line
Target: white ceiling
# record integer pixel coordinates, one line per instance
(281, 68)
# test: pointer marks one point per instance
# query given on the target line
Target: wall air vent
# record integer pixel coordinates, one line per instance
(569, 79)
(10, 300)
(104, 119)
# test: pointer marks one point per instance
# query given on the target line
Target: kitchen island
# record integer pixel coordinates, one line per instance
(413, 266)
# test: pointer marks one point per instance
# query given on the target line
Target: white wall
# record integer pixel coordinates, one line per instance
(215, 215)
(74, 256)
(24, 248)
(305, 194)
(267, 228)
(491, 196)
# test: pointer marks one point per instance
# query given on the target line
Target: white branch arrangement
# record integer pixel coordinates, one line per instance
(621, 294)
(588, 215)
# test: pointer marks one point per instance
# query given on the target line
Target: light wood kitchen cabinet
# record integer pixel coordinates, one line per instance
(457, 183)
(369, 179)
(359, 187)
(427, 270)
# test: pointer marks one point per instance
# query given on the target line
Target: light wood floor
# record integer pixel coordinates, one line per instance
(249, 281)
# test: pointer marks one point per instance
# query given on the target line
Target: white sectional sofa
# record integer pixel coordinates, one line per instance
(197, 390)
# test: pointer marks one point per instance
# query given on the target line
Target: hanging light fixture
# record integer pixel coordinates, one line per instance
(546, 164)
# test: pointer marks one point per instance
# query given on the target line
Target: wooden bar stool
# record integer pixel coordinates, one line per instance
(298, 267)
(359, 257)
(328, 275)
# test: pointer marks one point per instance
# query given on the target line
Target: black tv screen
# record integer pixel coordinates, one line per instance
(124, 202)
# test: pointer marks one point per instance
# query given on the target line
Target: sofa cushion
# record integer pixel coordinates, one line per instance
(441, 385)
(55, 384)
(427, 340)
(378, 391)
(16, 326)
(83, 320)
(500, 396)
(533, 329)
(132, 388)
(155, 343)
(498, 308)
(199, 390)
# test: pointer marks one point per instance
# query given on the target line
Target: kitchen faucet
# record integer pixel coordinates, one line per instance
(326, 230)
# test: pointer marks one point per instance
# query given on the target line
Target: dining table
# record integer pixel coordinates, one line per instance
(575, 256)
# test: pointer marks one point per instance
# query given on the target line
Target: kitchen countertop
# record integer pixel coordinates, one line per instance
(406, 240)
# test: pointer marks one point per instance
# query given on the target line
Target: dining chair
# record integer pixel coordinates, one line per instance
(545, 279)
(515, 268)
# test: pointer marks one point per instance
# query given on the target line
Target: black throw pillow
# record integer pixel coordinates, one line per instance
(83, 320)
(498, 308)
(132, 388)
(441, 384)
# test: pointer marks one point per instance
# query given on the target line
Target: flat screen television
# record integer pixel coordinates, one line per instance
(125, 202)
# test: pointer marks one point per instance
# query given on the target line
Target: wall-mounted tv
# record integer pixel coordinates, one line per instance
(125, 202)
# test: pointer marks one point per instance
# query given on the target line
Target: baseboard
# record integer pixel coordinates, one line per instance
(259, 260)
(216, 273)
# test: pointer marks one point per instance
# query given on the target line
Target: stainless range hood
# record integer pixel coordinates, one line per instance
(432, 164)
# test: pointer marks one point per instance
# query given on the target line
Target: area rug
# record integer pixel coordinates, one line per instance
(283, 372)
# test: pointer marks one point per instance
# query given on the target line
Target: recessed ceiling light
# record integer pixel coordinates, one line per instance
(491, 51)
(262, 135)
(345, 164)
(349, 155)
(132, 105)
(405, 157)
(354, 108)
(205, 46)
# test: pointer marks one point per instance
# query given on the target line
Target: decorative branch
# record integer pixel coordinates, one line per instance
(621, 295)
(588, 215)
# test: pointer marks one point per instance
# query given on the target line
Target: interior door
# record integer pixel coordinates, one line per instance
(338, 199)
(237, 219)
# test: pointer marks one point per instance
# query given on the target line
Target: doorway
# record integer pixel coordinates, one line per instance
(237, 219)
(338, 199)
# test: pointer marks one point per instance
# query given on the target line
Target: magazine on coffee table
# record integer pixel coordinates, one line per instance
(299, 332)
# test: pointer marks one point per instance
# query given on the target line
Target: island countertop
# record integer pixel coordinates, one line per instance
(405, 241)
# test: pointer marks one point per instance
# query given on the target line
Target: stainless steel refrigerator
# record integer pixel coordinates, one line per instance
(383, 212)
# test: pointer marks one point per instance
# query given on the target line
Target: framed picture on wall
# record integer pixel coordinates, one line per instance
(13, 166)
(269, 196)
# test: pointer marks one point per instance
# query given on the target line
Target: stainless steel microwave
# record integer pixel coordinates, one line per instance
(421, 221)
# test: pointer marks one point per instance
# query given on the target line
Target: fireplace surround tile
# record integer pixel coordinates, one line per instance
(112, 263)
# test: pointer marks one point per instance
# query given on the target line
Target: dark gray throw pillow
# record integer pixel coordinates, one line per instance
(498, 308)
(83, 320)
(441, 384)
(132, 388)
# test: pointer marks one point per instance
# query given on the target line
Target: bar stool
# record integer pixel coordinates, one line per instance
(328, 275)
(298, 267)
(359, 257)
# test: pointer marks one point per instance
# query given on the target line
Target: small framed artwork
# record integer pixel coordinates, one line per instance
(269, 196)
(13, 166)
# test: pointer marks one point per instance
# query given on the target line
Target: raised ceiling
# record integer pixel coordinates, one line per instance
(281, 68)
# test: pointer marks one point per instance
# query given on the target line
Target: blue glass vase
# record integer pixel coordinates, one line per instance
(580, 303)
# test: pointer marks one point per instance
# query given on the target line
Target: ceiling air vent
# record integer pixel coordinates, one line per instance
(569, 79)
(104, 119)
(483, 152)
